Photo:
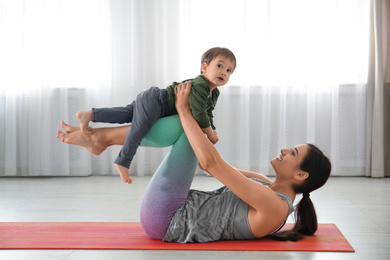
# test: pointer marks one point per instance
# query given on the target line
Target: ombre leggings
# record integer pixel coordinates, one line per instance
(170, 184)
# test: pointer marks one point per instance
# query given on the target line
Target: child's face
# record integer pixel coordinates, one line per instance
(218, 71)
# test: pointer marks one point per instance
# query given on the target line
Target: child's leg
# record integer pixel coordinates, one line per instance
(113, 115)
(148, 107)
(168, 189)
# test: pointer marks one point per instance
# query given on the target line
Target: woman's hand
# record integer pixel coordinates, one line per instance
(182, 97)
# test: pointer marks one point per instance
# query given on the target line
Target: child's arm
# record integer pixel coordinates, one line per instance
(211, 134)
(199, 97)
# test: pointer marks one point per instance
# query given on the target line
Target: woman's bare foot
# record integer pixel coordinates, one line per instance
(124, 172)
(90, 142)
(68, 128)
(84, 117)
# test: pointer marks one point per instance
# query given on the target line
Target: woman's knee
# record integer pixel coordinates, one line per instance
(155, 223)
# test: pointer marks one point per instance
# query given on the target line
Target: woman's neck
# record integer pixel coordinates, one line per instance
(283, 187)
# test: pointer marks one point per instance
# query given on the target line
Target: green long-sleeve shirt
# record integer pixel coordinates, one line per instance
(202, 104)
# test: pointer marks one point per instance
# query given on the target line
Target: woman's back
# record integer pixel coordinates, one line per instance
(212, 216)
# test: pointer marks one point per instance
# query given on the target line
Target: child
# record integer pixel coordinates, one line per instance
(217, 66)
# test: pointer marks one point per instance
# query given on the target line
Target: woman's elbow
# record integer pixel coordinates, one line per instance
(208, 164)
(205, 166)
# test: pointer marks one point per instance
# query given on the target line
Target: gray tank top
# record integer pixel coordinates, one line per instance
(212, 216)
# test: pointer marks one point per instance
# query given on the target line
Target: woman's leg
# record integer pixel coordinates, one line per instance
(170, 184)
(168, 188)
(165, 132)
(97, 141)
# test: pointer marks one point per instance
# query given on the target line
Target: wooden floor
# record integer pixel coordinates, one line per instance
(358, 206)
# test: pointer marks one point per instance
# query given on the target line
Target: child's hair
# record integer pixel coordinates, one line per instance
(212, 53)
(319, 167)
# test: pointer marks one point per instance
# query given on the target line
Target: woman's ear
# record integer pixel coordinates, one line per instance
(301, 175)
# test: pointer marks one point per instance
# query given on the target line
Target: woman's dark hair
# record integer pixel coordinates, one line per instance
(319, 167)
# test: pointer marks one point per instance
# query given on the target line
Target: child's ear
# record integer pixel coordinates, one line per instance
(204, 67)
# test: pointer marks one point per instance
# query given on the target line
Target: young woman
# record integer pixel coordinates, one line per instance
(249, 206)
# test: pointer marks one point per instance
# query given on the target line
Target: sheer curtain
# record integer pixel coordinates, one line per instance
(145, 53)
(301, 76)
(55, 59)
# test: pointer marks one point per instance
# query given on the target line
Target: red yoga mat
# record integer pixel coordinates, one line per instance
(123, 235)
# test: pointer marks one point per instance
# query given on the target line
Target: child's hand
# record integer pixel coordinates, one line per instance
(213, 137)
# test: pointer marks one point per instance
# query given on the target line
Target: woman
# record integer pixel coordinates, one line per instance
(249, 206)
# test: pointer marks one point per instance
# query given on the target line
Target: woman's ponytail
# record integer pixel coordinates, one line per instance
(305, 222)
(305, 217)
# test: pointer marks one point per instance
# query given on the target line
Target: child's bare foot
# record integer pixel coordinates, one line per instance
(124, 172)
(90, 142)
(84, 117)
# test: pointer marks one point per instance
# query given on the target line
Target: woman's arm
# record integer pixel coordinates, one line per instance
(211, 161)
(255, 175)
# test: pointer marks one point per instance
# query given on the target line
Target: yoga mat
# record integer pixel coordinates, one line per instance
(123, 235)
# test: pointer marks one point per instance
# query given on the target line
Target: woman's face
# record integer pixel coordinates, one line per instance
(290, 159)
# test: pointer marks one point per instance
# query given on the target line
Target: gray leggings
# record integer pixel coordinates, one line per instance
(142, 113)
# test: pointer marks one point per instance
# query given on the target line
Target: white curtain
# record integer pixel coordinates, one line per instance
(301, 77)
(301, 74)
(55, 58)
(378, 92)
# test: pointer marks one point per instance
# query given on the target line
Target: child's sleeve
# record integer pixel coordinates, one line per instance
(211, 117)
(211, 106)
(198, 101)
